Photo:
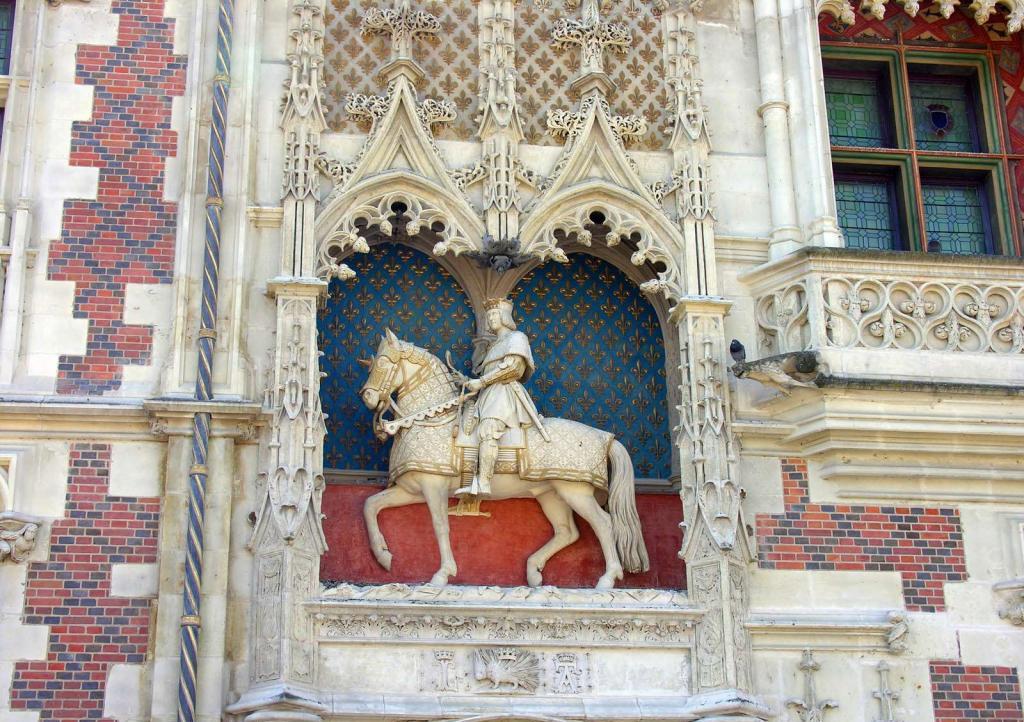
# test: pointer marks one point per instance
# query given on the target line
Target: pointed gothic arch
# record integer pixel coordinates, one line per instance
(627, 221)
(422, 206)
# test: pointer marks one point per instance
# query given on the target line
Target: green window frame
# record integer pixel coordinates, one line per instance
(6, 34)
(930, 130)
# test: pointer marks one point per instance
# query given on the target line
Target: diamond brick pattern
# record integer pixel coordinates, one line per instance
(127, 234)
(89, 629)
(961, 692)
(924, 544)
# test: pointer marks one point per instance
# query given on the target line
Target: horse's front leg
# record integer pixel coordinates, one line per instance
(436, 495)
(391, 497)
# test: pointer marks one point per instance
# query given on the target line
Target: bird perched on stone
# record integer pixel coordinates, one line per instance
(738, 351)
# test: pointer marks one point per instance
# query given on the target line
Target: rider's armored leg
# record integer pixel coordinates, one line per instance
(490, 431)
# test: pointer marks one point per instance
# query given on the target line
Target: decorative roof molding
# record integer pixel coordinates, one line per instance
(842, 10)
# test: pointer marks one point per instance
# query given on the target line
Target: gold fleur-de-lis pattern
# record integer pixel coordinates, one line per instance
(449, 59)
(398, 287)
(600, 355)
(545, 73)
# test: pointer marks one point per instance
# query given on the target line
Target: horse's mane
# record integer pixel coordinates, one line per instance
(419, 354)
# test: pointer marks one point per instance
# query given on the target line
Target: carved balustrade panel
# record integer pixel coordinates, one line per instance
(920, 307)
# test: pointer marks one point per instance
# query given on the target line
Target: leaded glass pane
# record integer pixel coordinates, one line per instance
(866, 213)
(955, 217)
(943, 119)
(854, 112)
(6, 34)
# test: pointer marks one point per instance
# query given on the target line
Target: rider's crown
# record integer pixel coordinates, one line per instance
(502, 303)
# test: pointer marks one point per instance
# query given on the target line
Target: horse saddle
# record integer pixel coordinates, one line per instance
(469, 433)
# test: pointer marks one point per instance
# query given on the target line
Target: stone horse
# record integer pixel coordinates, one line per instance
(574, 472)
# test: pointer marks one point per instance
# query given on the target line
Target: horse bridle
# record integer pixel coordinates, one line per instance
(385, 389)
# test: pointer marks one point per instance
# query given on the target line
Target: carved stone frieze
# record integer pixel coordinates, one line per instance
(544, 616)
(505, 670)
(981, 10)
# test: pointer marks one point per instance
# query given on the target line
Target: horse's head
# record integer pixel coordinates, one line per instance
(385, 372)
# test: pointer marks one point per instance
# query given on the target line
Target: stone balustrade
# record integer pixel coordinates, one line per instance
(828, 299)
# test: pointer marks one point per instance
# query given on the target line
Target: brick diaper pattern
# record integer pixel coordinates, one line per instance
(127, 234)
(960, 692)
(924, 544)
(89, 629)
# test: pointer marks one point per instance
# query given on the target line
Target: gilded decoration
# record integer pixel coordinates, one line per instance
(600, 353)
(398, 287)
(449, 59)
(546, 71)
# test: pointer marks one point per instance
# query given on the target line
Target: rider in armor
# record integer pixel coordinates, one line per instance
(503, 402)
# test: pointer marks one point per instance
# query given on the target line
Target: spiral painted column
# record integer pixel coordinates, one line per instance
(190, 619)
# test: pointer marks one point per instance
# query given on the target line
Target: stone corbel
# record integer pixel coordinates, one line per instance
(1012, 593)
(18, 536)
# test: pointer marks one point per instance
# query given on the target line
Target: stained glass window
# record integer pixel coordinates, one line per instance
(6, 34)
(897, 113)
(600, 355)
(855, 112)
(867, 213)
(955, 217)
(943, 115)
(397, 287)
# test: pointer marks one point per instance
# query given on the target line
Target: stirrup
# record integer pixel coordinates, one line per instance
(472, 490)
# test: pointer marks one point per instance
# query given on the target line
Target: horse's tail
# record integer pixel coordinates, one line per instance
(629, 537)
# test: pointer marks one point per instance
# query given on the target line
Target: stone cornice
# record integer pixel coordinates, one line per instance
(239, 420)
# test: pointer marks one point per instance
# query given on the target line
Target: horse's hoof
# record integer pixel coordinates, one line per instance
(440, 579)
(607, 581)
(533, 577)
(384, 558)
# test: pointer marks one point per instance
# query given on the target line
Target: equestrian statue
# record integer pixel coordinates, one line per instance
(483, 438)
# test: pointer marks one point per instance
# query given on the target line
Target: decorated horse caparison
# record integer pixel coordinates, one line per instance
(575, 469)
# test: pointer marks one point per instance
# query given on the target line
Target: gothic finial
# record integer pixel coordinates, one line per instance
(885, 695)
(403, 24)
(592, 35)
(809, 709)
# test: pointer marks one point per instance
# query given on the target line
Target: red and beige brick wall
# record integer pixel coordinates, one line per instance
(962, 692)
(924, 544)
(90, 629)
(127, 234)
